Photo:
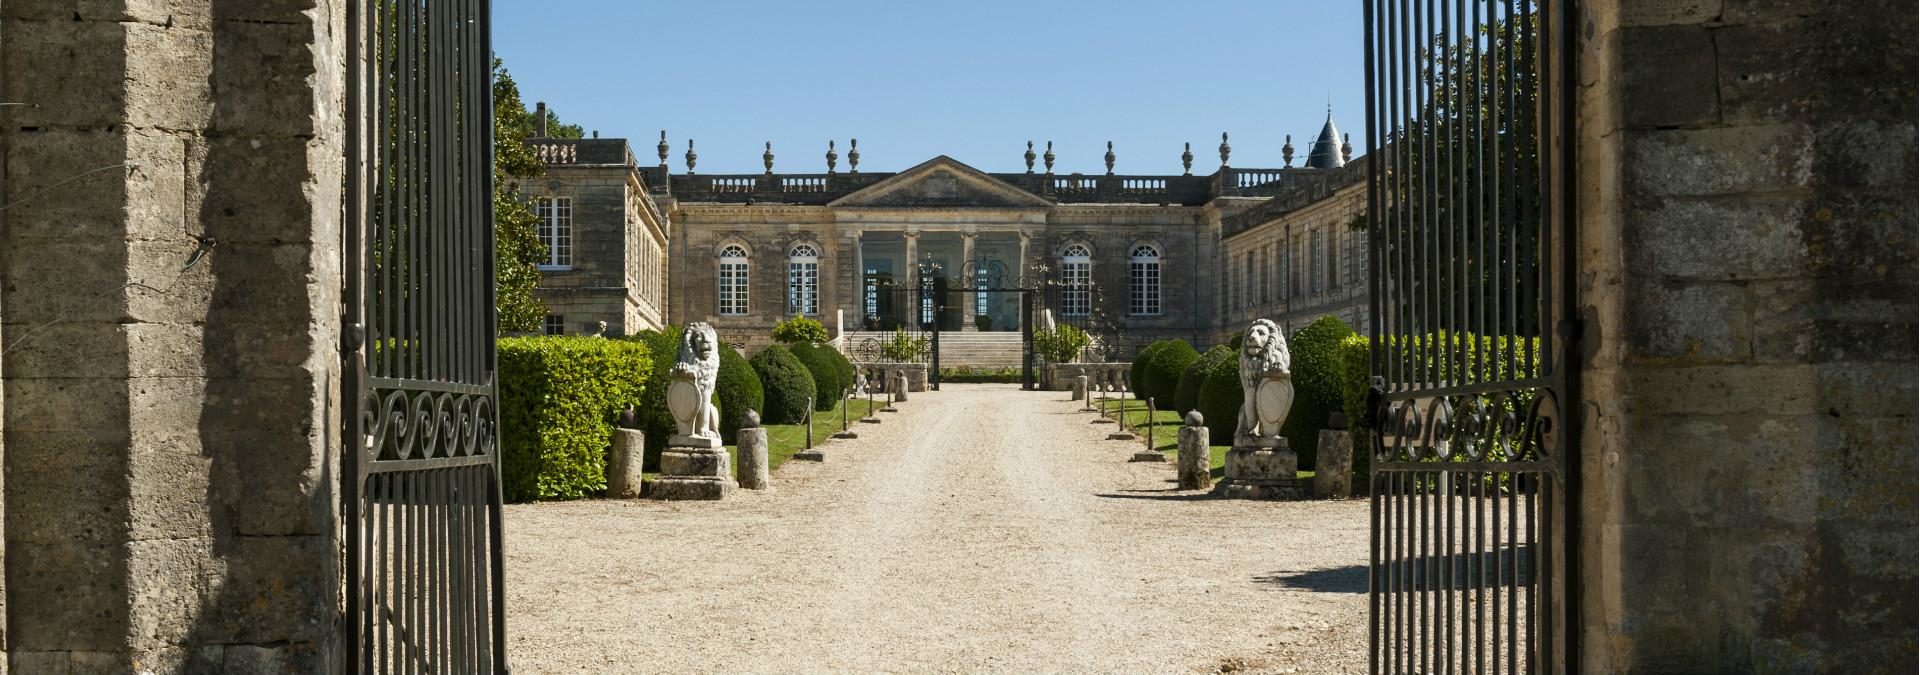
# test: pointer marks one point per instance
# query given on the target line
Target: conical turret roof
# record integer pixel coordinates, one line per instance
(1325, 153)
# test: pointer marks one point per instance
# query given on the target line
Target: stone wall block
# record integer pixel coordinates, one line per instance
(48, 404)
(258, 189)
(1785, 389)
(47, 350)
(1671, 81)
(265, 75)
(1721, 160)
(1674, 12)
(1864, 482)
(1691, 322)
(166, 581)
(65, 183)
(166, 82)
(1868, 154)
(66, 596)
(49, 279)
(90, 91)
(91, 491)
(1712, 239)
(170, 501)
(268, 589)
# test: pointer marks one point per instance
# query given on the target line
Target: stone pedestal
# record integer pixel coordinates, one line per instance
(1080, 388)
(752, 445)
(694, 468)
(623, 463)
(1194, 461)
(1263, 472)
(1333, 474)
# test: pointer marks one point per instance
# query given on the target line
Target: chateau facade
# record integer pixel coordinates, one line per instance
(1135, 258)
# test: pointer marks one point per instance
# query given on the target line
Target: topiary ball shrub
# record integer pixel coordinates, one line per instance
(1137, 372)
(559, 399)
(786, 384)
(1319, 384)
(820, 362)
(1161, 380)
(798, 330)
(737, 390)
(1220, 398)
(1187, 397)
(848, 376)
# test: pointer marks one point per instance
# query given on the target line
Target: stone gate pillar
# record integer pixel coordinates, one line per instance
(1747, 213)
(170, 269)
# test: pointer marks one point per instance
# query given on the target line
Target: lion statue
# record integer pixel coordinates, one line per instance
(1266, 385)
(690, 396)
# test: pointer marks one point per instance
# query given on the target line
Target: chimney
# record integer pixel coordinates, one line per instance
(540, 119)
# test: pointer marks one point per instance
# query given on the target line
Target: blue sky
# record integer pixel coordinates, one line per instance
(974, 79)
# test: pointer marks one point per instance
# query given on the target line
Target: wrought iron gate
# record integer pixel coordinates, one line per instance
(422, 495)
(940, 300)
(1471, 234)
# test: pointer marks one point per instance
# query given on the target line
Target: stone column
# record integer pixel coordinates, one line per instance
(911, 273)
(624, 475)
(1333, 470)
(751, 444)
(1195, 457)
(170, 266)
(967, 310)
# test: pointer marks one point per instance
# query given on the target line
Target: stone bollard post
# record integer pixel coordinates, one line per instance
(752, 443)
(1080, 388)
(1333, 473)
(901, 384)
(623, 464)
(1194, 457)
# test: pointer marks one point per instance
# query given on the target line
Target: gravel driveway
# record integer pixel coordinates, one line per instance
(982, 528)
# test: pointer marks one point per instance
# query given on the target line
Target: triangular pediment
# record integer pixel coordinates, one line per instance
(942, 181)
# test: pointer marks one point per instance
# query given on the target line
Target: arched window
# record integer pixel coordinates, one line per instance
(1143, 288)
(1076, 278)
(803, 280)
(733, 280)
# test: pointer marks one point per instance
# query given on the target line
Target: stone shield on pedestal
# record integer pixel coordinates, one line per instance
(1260, 465)
(694, 465)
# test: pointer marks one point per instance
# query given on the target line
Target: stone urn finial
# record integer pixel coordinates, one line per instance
(1225, 149)
(1030, 157)
(1109, 158)
(1286, 151)
(853, 156)
(1186, 160)
(1049, 158)
(767, 158)
(663, 148)
(691, 157)
(1346, 148)
(832, 157)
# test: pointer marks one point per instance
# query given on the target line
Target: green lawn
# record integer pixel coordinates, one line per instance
(1165, 425)
(785, 439)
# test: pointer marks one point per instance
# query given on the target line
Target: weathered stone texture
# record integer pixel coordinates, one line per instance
(171, 314)
(1748, 275)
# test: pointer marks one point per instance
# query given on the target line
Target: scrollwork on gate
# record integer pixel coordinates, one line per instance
(1501, 426)
(406, 424)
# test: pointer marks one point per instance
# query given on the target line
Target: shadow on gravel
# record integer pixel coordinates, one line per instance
(1160, 495)
(1350, 579)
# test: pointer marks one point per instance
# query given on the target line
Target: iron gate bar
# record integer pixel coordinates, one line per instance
(422, 503)
(1471, 309)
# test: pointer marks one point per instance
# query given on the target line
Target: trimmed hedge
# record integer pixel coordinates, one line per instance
(1161, 379)
(1137, 372)
(820, 362)
(1188, 395)
(969, 374)
(1220, 398)
(559, 400)
(737, 390)
(799, 330)
(786, 383)
(656, 421)
(1355, 376)
(1319, 384)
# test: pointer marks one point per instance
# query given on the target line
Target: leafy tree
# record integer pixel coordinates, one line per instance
(516, 244)
(558, 129)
